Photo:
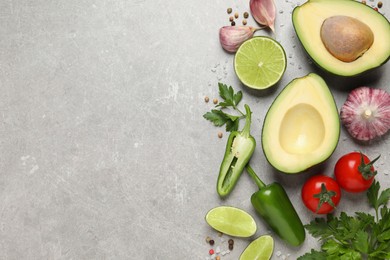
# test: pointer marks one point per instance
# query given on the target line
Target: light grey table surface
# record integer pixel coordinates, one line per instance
(104, 153)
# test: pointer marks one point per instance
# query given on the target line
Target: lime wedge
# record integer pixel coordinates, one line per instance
(259, 249)
(231, 221)
(260, 62)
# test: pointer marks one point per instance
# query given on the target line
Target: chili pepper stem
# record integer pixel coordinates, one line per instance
(248, 120)
(253, 175)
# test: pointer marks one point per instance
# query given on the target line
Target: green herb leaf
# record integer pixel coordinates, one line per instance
(355, 237)
(237, 97)
(230, 100)
(384, 236)
(374, 199)
(220, 118)
(318, 228)
(372, 194)
(227, 93)
(351, 255)
(331, 247)
(385, 215)
(232, 125)
(217, 117)
(365, 218)
(381, 252)
(384, 197)
(360, 242)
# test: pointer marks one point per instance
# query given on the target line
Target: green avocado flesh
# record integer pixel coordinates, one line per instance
(302, 126)
(309, 18)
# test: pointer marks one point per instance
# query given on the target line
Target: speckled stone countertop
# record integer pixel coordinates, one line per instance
(104, 153)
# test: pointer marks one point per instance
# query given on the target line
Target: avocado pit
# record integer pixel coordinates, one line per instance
(346, 38)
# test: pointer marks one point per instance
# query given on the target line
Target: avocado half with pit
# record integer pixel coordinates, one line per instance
(302, 127)
(344, 37)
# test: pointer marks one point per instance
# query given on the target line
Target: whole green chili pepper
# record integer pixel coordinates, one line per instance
(273, 205)
(239, 149)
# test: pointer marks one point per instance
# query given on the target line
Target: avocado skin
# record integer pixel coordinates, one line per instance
(363, 72)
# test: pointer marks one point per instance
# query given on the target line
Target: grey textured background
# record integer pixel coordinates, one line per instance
(104, 153)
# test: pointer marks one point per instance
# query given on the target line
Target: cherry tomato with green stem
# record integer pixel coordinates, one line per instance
(354, 172)
(321, 194)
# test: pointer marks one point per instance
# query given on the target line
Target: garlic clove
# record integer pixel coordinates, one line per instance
(366, 113)
(264, 12)
(231, 37)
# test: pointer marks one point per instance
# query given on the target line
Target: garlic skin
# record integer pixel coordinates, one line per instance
(264, 12)
(231, 37)
(366, 113)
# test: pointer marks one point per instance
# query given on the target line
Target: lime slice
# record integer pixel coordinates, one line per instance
(260, 62)
(259, 249)
(231, 221)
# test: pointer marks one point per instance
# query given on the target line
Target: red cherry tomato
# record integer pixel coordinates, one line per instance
(321, 194)
(352, 174)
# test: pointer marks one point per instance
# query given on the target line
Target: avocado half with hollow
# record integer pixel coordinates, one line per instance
(302, 126)
(344, 37)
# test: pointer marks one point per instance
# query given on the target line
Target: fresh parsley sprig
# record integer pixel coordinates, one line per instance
(375, 200)
(362, 236)
(230, 101)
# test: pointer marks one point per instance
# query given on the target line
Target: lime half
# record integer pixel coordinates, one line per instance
(260, 62)
(259, 249)
(231, 221)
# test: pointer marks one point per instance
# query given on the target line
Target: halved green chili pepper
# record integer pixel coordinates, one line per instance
(273, 205)
(239, 150)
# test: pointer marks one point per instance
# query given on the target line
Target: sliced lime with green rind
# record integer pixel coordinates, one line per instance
(231, 221)
(260, 62)
(259, 249)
